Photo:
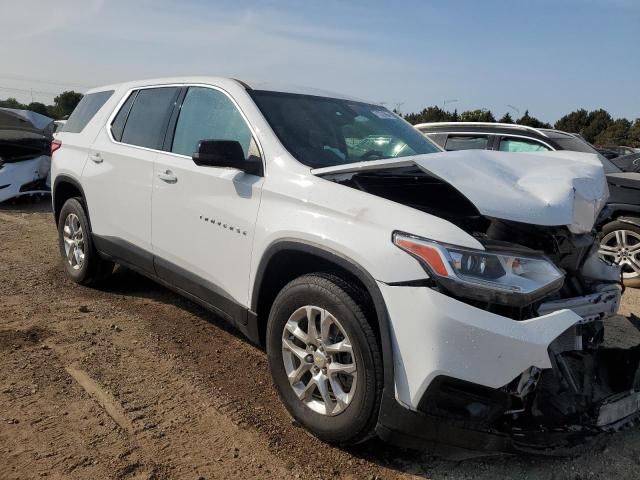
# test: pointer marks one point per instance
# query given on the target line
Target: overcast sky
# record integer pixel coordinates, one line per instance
(548, 56)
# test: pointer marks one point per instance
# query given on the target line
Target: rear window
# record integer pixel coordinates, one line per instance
(575, 144)
(149, 116)
(85, 110)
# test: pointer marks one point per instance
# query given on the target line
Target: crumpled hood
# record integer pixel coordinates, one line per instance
(542, 188)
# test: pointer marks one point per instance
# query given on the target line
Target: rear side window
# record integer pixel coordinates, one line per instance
(117, 126)
(466, 142)
(149, 116)
(85, 111)
(521, 145)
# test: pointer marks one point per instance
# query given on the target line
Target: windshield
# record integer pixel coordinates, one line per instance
(325, 132)
(575, 144)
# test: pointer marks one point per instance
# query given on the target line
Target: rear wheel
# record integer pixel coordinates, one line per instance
(79, 256)
(620, 244)
(325, 359)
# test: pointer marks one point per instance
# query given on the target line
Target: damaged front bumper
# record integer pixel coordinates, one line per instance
(473, 379)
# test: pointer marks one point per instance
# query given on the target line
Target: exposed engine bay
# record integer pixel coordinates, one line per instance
(591, 388)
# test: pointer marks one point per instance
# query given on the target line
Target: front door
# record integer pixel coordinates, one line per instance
(203, 217)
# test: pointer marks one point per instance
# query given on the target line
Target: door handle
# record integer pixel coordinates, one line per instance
(96, 158)
(167, 176)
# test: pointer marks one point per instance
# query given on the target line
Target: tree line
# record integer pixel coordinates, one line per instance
(61, 108)
(597, 127)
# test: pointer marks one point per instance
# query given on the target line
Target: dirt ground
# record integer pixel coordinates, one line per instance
(131, 381)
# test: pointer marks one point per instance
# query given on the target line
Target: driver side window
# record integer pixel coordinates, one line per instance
(208, 114)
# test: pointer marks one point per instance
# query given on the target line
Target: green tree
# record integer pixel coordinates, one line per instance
(64, 104)
(574, 122)
(12, 103)
(597, 122)
(530, 121)
(477, 116)
(38, 107)
(431, 114)
(506, 118)
(633, 137)
(616, 134)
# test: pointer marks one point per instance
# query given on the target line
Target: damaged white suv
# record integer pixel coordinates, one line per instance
(400, 291)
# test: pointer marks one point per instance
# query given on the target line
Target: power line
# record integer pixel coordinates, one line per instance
(41, 81)
(28, 90)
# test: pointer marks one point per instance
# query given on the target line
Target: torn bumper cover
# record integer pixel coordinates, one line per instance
(485, 382)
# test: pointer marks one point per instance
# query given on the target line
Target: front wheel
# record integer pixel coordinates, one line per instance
(324, 358)
(620, 244)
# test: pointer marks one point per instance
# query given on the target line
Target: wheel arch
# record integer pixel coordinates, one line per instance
(285, 260)
(64, 188)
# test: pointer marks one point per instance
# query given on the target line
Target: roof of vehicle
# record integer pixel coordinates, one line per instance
(487, 127)
(221, 81)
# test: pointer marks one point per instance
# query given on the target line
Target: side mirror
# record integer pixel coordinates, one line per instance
(225, 153)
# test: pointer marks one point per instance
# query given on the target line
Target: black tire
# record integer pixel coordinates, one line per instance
(93, 268)
(617, 225)
(357, 421)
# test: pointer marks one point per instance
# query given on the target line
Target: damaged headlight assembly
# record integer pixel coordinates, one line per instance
(501, 276)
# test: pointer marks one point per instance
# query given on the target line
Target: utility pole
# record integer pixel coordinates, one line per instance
(446, 102)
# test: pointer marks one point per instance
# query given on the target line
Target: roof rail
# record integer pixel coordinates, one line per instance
(481, 124)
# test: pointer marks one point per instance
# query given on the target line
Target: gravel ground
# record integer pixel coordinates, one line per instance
(133, 382)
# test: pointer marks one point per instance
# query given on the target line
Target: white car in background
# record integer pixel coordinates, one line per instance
(399, 290)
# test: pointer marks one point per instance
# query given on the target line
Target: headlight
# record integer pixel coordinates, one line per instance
(504, 277)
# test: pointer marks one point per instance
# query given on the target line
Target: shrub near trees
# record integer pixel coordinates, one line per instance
(62, 106)
(597, 126)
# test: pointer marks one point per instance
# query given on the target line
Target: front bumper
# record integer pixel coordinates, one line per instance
(447, 353)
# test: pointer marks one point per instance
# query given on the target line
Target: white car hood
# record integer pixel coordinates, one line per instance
(542, 188)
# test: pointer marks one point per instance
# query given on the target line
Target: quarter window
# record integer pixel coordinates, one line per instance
(208, 114)
(117, 126)
(85, 111)
(521, 145)
(149, 116)
(466, 142)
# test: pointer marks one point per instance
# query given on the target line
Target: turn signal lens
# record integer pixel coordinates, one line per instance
(426, 253)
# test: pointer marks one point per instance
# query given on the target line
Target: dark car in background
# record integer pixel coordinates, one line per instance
(620, 230)
(619, 150)
(628, 163)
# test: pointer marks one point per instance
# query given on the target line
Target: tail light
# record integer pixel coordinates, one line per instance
(55, 145)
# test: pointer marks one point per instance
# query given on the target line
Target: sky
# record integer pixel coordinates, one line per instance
(547, 56)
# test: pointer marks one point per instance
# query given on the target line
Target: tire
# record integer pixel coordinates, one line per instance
(611, 233)
(344, 425)
(87, 267)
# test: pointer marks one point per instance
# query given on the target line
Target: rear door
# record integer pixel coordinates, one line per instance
(204, 217)
(119, 174)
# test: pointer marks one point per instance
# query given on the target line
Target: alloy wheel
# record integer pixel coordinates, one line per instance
(319, 361)
(73, 237)
(623, 248)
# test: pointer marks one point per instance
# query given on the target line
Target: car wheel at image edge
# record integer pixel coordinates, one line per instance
(79, 256)
(620, 243)
(325, 359)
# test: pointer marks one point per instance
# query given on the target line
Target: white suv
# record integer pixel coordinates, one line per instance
(399, 290)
